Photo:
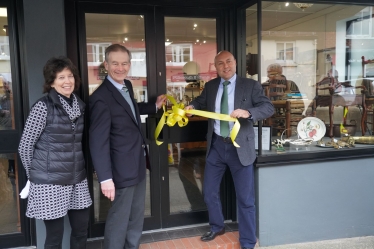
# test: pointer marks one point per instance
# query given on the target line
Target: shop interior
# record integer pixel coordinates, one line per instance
(317, 68)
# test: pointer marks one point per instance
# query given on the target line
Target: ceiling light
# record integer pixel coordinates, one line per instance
(4, 30)
(286, 4)
(193, 28)
(204, 41)
(303, 6)
(3, 12)
(141, 16)
(126, 39)
(167, 39)
(197, 40)
(195, 25)
(168, 43)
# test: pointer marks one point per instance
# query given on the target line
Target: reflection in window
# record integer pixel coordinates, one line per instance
(102, 31)
(320, 51)
(6, 104)
(96, 52)
(285, 51)
(102, 204)
(361, 26)
(178, 54)
(189, 56)
(99, 37)
(186, 176)
(6, 92)
(9, 202)
(251, 65)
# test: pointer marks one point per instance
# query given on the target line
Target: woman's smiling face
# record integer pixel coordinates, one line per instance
(64, 82)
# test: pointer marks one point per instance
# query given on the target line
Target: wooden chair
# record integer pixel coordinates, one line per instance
(368, 71)
(330, 92)
(287, 112)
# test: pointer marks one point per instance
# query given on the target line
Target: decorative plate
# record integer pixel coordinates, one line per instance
(325, 146)
(311, 127)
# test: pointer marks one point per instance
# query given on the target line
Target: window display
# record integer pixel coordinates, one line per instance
(316, 63)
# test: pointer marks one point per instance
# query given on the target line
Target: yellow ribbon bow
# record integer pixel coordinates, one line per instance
(177, 114)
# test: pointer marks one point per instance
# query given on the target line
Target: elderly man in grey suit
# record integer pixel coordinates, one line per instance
(243, 99)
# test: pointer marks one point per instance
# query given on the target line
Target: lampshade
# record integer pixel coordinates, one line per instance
(303, 6)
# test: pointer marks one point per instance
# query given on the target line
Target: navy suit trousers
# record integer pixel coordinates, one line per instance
(221, 156)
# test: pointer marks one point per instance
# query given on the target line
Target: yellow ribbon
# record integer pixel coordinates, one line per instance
(342, 128)
(177, 114)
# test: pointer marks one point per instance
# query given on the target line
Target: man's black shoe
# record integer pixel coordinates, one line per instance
(247, 247)
(211, 235)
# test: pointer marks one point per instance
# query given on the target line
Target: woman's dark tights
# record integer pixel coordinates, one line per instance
(55, 230)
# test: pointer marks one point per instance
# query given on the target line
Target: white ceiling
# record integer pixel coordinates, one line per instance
(109, 27)
(275, 16)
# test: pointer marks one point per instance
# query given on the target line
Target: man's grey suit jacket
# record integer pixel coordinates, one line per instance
(249, 95)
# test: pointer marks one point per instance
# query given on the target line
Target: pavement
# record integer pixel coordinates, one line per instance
(349, 243)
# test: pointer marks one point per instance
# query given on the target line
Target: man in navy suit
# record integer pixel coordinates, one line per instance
(118, 149)
(247, 102)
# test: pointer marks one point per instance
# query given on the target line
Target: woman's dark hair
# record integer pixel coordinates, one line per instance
(55, 66)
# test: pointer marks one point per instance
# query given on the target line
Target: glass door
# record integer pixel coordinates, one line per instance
(187, 41)
(190, 48)
(170, 54)
(103, 25)
(102, 30)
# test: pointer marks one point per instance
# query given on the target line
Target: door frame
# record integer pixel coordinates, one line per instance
(176, 134)
(11, 138)
(155, 51)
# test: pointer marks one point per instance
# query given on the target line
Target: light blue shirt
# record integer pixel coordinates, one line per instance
(231, 95)
(126, 95)
(119, 86)
(115, 84)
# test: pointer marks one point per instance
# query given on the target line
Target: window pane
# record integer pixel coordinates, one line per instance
(190, 43)
(102, 31)
(280, 51)
(186, 174)
(106, 29)
(6, 91)
(251, 42)
(318, 53)
(289, 51)
(9, 201)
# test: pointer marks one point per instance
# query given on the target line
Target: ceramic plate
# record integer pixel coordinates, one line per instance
(311, 127)
(326, 146)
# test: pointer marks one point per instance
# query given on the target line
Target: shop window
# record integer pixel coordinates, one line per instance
(323, 56)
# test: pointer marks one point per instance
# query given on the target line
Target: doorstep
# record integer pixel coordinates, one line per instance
(229, 240)
(187, 237)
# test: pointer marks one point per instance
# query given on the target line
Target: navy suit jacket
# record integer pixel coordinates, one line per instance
(117, 144)
(250, 96)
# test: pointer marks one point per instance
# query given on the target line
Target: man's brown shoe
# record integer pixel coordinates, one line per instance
(211, 235)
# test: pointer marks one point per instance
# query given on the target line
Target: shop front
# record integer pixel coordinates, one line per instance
(315, 61)
(314, 169)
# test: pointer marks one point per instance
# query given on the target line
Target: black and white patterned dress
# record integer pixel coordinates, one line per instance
(50, 201)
